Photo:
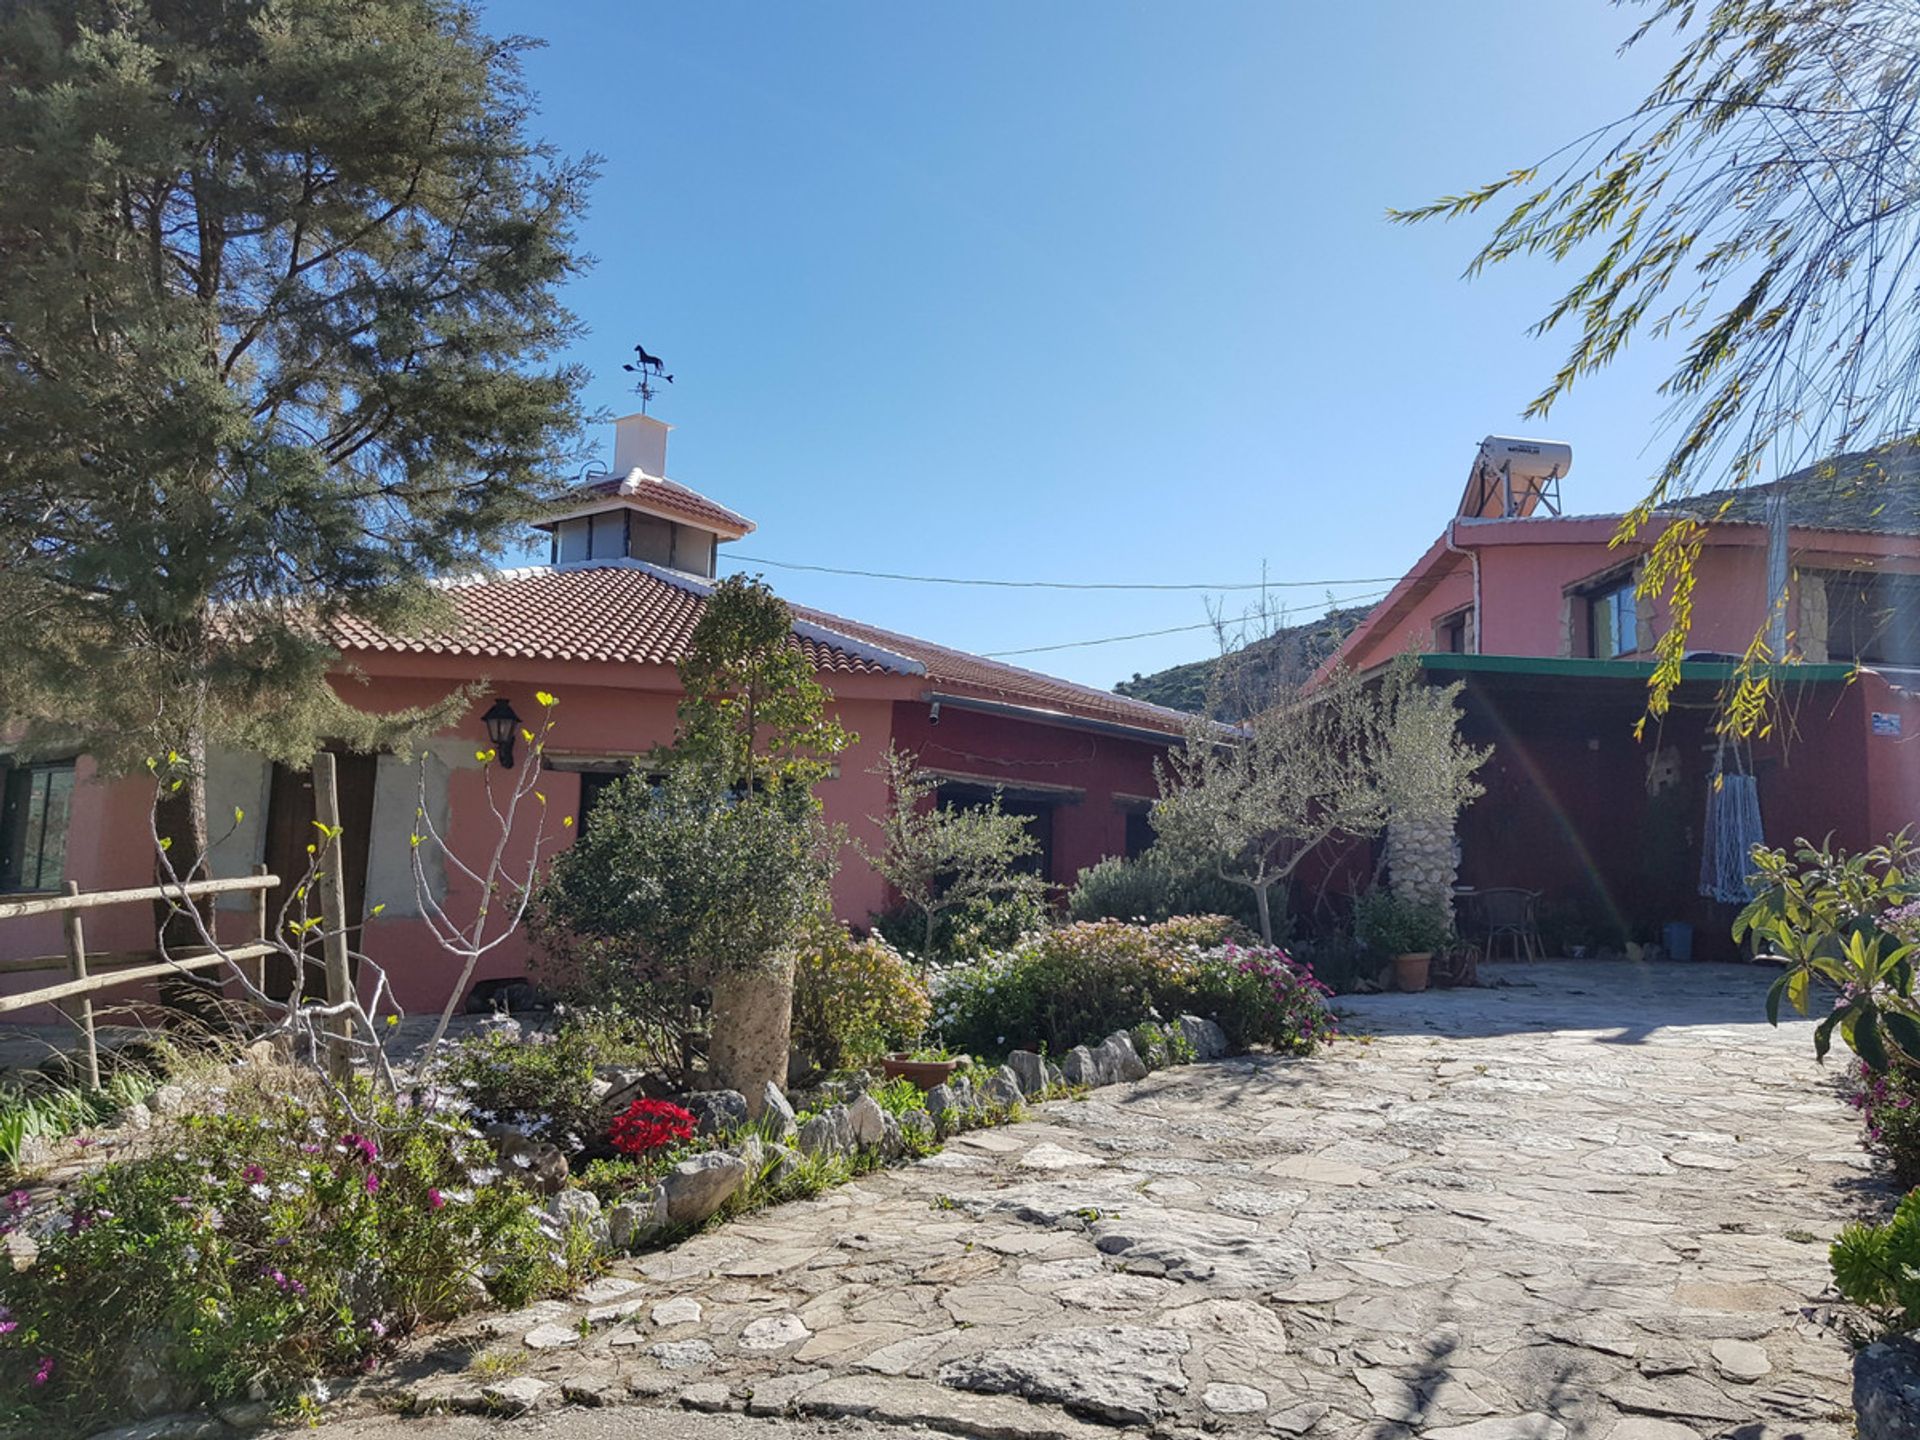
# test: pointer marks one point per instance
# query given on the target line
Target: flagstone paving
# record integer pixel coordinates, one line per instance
(1592, 1202)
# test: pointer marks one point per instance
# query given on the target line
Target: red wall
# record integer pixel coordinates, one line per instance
(1087, 828)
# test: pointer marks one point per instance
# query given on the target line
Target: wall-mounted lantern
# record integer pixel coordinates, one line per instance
(503, 728)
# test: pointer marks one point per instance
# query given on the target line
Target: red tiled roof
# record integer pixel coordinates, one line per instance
(956, 672)
(619, 611)
(628, 612)
(670, 497)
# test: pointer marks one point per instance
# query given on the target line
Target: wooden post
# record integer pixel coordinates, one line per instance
(82, 1006)
(262, 931)
(333, 914)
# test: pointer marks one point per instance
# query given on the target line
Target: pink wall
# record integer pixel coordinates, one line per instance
(604, 711)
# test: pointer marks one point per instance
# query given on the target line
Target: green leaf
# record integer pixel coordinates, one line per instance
(1904, 1031)
(1867, 1043)
(1823, 1036)
(1774, 992)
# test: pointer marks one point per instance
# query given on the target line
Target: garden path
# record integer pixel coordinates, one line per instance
(1589, 1202)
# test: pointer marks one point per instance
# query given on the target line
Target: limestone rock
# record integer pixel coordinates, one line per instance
(1117, 1372)
(710, 1396)
(716, 1112)
(1886, 1390)
(1029, 1072)
(1208, 1040)
(1002, 1088)
(776, 1112)
(775, 1396)
(1228, 1399)
(580, 1209)
(1078, 1067)
(1118, 1060)
(697, 1187)
(940, 1100)
(633, 1222)
(866, 1121)
(681, 1310)
(774, 1332)
(168, 1100)
(819, 1136)
(516, 1396)
(1741, 1360)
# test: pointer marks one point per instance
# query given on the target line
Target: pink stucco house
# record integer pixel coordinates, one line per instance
(601, 626)
(1536, 611)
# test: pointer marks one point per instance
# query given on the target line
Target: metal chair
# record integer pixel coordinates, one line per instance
(1508, 913)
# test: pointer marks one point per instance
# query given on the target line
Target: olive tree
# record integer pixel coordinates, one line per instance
(939, 858)
(1250, 803)
(1426, 774)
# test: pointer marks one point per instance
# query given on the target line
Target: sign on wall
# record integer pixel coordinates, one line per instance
(1886, 724)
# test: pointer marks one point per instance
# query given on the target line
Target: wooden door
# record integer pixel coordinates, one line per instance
(290, 830)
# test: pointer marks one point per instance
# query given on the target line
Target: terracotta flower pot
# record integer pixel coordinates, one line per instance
(1410, 971)
(924, 1073)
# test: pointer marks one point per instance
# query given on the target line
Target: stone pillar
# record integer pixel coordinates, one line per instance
(1420, 860)
(752, 1025)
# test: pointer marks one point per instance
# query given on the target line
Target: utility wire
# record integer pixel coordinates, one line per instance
(1149, 634)
(1061, 584)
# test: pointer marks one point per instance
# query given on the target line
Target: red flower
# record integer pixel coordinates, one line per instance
(649, 1125)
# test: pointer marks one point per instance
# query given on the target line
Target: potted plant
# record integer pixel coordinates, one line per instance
(1408, 930)
(925, 1068)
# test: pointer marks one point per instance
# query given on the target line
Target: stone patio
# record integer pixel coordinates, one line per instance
(1591, 1201)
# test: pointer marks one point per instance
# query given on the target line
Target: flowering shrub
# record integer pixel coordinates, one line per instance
(648, 1126)
(1083, 981)
(853, 1000)
(1889, 1106)
(544, 1082)
(277, 1241)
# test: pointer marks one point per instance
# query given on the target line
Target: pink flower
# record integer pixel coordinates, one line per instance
(436, 1199)
(373, 1183)
(45, 1372)
(254, 1175)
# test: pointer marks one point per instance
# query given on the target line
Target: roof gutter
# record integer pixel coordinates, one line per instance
(1035, 714)
(1474, 557)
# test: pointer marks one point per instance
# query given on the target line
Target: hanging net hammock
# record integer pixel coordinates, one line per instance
(1732, 830)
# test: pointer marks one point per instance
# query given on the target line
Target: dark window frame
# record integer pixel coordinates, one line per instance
(45, 869)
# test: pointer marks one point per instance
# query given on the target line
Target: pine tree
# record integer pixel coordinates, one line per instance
(278, 337)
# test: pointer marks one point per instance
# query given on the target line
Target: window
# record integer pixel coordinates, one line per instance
(959, 795)
(1873, 618)
(33, 826)
(1613, 627)
(1450, 634)
(1139, 832)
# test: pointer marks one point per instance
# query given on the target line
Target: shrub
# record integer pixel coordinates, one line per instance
(1389, 925)
(1889, 1106)
(1261, 996)
(280, 1240)
(854, 1000)
(1081, 982)
(966, 932)
(1878, 1266)
(1338, 961)
(1154, 886)
(544, 1081)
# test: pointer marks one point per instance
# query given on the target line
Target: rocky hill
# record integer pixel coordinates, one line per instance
(1229, 686)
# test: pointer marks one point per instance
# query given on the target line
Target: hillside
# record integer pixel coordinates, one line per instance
(1243, 679)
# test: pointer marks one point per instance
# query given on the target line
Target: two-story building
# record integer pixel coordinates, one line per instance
(1538, 612)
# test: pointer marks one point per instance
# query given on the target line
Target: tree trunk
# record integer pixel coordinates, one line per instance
(926, 948)
(180, 817)
(1261, 899)
(752, 1024)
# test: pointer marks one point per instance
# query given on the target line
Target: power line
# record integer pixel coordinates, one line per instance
(1062, 584)
(1147, 634)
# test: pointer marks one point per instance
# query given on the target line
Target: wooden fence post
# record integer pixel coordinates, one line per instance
(333, 915)
(262, 931)
(82, 1010)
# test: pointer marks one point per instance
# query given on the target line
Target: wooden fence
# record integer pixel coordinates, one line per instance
(89, 973)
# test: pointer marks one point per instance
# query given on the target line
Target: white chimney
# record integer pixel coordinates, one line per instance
(640, 443)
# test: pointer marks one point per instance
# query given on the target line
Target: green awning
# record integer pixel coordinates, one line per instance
(1640, 671)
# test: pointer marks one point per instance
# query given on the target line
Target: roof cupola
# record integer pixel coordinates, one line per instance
(636, 513)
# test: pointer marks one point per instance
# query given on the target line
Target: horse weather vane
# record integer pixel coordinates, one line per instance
(649, 368)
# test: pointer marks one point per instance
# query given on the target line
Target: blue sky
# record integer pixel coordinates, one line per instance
(1083, 291)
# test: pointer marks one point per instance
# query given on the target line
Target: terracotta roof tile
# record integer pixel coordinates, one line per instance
(619, 611)
(670, 497)
(628, 612)
(958, 672)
